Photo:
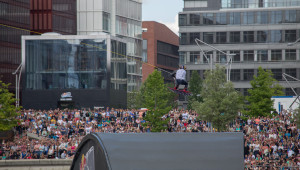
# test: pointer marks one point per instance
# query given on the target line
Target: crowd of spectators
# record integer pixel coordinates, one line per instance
(271, 143)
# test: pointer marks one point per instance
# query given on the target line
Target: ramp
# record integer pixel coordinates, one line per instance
(160, 151)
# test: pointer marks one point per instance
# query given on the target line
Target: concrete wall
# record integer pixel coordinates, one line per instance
(37, 164)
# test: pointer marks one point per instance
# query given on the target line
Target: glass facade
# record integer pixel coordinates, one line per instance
(66, 64)
(94, 65)
(240, 18)
(259, 36)
(259, 3)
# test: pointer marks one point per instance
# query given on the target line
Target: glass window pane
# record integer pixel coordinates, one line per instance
(235, 37)
(262, 55)
(221, 37)
(276, 55)
(208, 37)
(262, 36)
(248, 36)
(290, 55)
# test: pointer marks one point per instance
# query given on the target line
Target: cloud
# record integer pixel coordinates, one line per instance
(173, 25)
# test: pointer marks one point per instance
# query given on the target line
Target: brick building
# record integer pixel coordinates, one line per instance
(160, 49)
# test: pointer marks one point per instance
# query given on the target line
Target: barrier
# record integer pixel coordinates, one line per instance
(36, 164)
(160, 151)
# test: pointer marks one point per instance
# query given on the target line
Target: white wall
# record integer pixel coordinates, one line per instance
(285, 101)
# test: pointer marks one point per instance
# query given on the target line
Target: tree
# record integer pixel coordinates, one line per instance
(8, 111)
(155, 96)
(221, 102)
(195, 86)
(264, 86)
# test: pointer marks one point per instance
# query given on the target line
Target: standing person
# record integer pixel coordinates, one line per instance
(180, 77)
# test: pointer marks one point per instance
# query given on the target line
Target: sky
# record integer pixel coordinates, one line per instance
(163, 11)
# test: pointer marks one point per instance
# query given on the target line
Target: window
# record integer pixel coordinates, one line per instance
(262, 36)
(290, 35)
(235, 75)
(277, 74)
(235, 18)
(248, 74)
(262, 55)
(209, 56)
(145, 51)
(221, 19)
(208, 37)
(290, 16)
(182, 20)
(235, 37)
(106, 21)
(292, 72)
(289, 92)
(237, 57)
(276, 17)
(248, 36)
(183, 39)
(167, 60)
(276, 55)
(195, 57)
(195, 4)
(290, 55)
(208, 19)
(248, 18)
(276, 36)
(248, 56)
(221, 58)
(262, 17)
(166, 48)
(182, 58)
(221, 37)
(195, 19)
(193, 36)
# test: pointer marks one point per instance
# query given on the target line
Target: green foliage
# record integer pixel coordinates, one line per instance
(264, 86)
(132, 100)
(155, 96)
(195, 86)
(8, 110)
(221, 102)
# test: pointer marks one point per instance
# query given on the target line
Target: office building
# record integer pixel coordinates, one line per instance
(14, 20)
(257, 31)
(25, 17)
(92, 68)
(160, 50)
(53, 16)
(120, 18)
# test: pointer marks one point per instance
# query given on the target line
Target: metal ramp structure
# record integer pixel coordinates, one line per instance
(160, 151)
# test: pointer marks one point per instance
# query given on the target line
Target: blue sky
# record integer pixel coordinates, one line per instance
(163, 11)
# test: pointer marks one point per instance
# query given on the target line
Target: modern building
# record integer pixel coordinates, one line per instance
(92, 68)
(25, 17)
(257, 31)
(120, 18)
(14, 21)
(160, 50)
(53, 16)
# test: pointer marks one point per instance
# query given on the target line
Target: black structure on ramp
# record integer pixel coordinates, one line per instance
(160, 151)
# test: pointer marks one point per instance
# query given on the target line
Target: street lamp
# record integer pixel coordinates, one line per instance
(229, 60)
(18, 78)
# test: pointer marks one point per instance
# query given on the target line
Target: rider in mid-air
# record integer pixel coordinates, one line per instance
(180, 78)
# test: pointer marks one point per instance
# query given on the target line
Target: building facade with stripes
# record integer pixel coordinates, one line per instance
(257, 31)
